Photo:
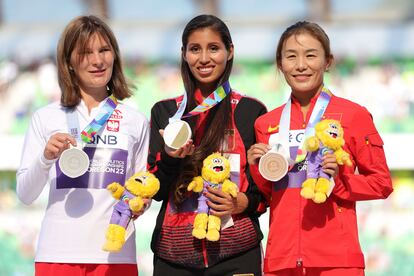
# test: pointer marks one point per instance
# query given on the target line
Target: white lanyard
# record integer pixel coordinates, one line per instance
(284, 124)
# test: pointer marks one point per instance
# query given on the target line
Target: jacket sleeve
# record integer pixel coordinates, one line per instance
(263, 185)
(369, 177)
(33, 172)
(256, 200)
(140, 148)
(253, 110)
(164, 167)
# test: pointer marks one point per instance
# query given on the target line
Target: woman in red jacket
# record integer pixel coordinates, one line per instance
(306, 238)
(228, 127)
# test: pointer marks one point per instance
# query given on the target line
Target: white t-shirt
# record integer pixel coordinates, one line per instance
(79, 210)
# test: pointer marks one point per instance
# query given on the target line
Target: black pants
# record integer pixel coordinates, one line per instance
(246, 264)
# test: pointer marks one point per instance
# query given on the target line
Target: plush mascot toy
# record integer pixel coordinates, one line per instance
(140, 185)
(328, 139)
(215, 173)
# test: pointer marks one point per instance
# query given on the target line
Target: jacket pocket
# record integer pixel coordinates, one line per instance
(374, 146)
(374, 140)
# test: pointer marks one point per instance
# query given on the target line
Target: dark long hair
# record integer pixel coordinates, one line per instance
(77, 33)
(219, 117)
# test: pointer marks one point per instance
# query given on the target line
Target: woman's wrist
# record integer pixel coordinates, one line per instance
(241, 203)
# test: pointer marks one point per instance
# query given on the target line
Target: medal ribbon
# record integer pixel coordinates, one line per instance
(317, 113)
(209, 102)
(99, 121)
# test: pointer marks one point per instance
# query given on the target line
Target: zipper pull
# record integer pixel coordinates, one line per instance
(299, 262)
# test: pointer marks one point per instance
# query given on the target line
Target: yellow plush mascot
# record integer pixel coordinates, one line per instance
(215, 173)
(130, 199)
(328, 138)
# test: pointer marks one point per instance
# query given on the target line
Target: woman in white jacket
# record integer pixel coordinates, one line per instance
(110, 136)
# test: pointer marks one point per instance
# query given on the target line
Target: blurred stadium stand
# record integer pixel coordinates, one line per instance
(372, 41)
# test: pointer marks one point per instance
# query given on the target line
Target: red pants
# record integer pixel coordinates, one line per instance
(58, 269)
(318, 271)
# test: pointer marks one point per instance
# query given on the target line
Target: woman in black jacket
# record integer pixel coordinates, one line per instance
(226, 126)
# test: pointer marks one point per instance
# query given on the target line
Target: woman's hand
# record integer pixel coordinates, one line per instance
(223, 204)
(329, 165)
(57, 143)
(147, 204)
(187, 149)
(256, 151)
